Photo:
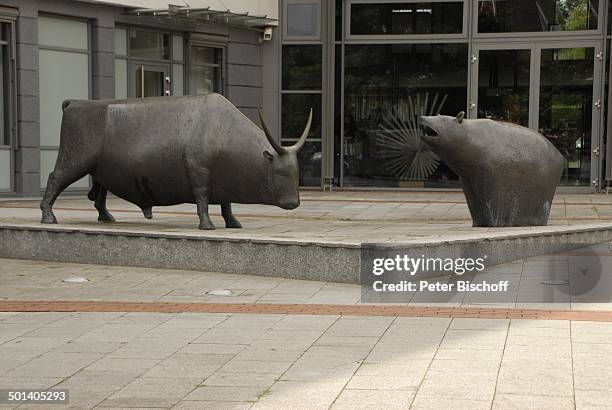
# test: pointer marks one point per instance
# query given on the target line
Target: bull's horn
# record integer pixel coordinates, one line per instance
(298, 145)
(277, 147)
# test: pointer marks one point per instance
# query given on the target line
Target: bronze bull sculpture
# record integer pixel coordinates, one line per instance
(173, 150)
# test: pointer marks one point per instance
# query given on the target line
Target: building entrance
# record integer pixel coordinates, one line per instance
(552, 87)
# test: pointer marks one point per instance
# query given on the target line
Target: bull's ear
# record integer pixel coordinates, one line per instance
(460, 117)
(268, 156)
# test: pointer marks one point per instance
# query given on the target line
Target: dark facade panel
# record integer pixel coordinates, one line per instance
(244, 75)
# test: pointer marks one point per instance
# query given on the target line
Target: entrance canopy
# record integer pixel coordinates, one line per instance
(257, 13)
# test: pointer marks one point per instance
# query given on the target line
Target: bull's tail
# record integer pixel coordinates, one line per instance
(94, 192)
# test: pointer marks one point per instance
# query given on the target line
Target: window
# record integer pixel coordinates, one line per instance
(386, 87)
(63, 55)
(302, 90)
(178, 68)
(205, 70)
(6, 85)
(7, 113)
(409, 18)
(302, 67)
(302, 19)
(512, 16)
(121, 63)
(150, 45)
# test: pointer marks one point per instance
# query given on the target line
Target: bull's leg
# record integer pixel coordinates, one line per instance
(230, 219)
(200, 181)
(100, 203)
(147, 212)
(58, 180)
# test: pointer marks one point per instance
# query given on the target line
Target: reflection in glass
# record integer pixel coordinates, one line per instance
(202, 80)
(5, 129)
(503, 85)
(511, 16)
(205, 55)
(385, 85)
(302, 67)
(149, 44)
(338, 116)
(407, 18)
(295, 109)
(566, 101)
(153, 83)
(205, 73)
(338, 25)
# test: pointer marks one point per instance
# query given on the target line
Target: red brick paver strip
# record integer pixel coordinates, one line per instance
(297, 309)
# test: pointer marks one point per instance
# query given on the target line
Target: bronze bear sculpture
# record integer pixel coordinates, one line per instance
(509, 173)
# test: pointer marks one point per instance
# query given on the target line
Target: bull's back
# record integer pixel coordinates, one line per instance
(143, 157)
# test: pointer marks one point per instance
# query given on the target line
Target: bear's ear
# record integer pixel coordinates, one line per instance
(460, 117)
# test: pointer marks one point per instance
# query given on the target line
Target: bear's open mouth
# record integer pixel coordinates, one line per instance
(430, 132)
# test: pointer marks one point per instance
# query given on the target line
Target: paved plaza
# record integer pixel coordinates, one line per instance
(132, 337)
(334, 217)
(299, 361)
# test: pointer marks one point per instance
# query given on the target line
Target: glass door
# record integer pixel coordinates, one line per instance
(149, 80)
(569, 107)
(552, 87)
(502, 82)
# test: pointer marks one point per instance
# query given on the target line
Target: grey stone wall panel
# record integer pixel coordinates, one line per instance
(248, 97)
(244, 75)
(246, 54)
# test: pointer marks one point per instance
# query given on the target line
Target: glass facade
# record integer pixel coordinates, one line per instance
(406, 18)
(386, 87)
(515, 16)
(539, 64)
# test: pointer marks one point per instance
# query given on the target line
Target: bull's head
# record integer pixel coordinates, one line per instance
(285, 169)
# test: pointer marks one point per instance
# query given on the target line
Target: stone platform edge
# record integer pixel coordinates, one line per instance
(307, 260)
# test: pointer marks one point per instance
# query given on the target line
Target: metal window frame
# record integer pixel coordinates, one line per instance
(542, 35)
(284, 11)
(347, 12)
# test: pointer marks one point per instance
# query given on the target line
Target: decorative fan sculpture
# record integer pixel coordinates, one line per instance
(406, 156)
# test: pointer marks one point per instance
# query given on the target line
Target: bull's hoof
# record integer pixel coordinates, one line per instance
(232, 223)
(106, 217)
(207, 226)
(148, 212)
(48, 219)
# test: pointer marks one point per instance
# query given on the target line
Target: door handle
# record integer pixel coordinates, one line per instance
(142, 81)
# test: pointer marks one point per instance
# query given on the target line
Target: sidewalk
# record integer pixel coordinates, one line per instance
(278, 361)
